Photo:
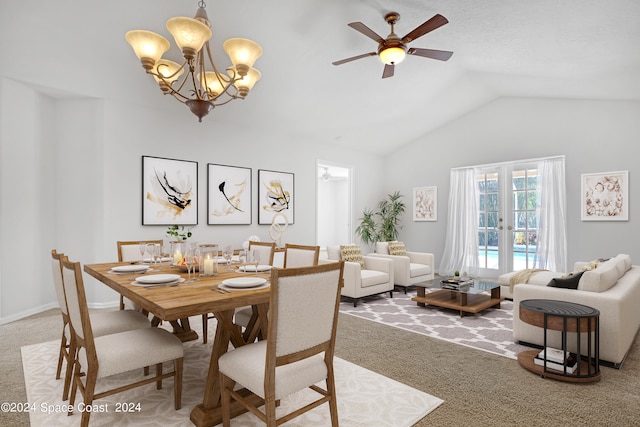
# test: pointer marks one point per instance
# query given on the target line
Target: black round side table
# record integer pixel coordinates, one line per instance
(565, 317)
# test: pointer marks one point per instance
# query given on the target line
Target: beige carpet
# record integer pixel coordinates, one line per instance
(364, 397)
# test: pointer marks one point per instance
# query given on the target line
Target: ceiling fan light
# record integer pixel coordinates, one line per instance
(392, 55)
(243, 53)
(189, 34)
(148, 46)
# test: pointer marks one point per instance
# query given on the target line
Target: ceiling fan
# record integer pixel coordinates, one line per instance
(393, 49)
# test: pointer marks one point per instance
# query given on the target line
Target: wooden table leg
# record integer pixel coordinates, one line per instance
(182, 329)
(495, 293)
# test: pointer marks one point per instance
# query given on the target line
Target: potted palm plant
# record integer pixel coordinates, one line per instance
(382, 225)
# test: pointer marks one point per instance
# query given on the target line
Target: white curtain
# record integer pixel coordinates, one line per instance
(551, 251)
(461, 247)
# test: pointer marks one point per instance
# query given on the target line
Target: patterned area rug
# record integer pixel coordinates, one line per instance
(490, 330)
(364, 397)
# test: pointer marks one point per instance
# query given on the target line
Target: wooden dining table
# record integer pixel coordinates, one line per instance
(175, 304)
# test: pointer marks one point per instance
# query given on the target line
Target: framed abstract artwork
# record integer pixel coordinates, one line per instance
(605, 196)
(425, 204)
(169, 191)
(275, 196)
(229, 194)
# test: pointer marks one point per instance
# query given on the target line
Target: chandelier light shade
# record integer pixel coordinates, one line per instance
(197, 82)
(148, 46)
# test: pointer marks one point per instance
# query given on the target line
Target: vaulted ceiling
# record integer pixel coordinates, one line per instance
(584, 49)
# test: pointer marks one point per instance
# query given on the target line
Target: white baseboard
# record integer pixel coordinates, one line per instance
(49, 306)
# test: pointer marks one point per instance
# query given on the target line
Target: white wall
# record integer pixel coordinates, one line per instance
(71, 180)
(595, 136)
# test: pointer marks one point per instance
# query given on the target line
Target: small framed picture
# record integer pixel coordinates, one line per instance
(605, 196)
(229, 194)
(425, 204)
(275, 196)
(169, 191)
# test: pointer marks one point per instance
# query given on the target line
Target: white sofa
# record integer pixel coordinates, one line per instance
(613, 288)
(540, 278)
(375, 278)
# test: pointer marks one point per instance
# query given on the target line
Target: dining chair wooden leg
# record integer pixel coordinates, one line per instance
(205, 327)
(121, 302)
(89, 390)
(178, 366)
(333, 403)
(270, 411)
(225, 399)
(159, 374)
(74, 387)
(62, 355)
(68, 375)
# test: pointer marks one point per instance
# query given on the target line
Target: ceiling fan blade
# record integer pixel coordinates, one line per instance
(388, 71)
(353, 58)
(359, 26)
(441, 55)
(436, 22)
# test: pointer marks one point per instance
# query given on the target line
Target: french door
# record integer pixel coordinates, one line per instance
(507, 221)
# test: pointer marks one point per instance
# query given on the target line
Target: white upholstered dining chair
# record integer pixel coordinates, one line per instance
(294, 256)
(103, 322)
(266, 252)
(299, 349)
(130, 251)
(107, 355)
(300, 255)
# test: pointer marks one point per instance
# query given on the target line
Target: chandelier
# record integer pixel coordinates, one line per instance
(198, 83)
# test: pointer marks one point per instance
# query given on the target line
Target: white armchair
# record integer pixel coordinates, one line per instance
(408, 270)
(375, 278)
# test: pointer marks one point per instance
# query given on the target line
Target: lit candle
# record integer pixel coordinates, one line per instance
(177, 257)
(208, 267)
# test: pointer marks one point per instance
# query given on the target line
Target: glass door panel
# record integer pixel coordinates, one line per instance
(507, 223)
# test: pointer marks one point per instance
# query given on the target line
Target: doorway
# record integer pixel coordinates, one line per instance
(508, 220)
(333, 204)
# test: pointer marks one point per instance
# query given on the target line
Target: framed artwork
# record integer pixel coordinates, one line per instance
(605, 196)
(169, 191)
(275, 196)
(425, 204)
(229, 194)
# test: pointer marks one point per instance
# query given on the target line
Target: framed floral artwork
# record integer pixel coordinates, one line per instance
(169, 191)
(275, 196)
(425, 204)
(605, 196)
(229, 194)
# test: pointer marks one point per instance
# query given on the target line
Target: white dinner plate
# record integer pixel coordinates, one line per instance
(153, 285)
(152, 261)
(253, 268)
(129, 268)
(157, 278)
(244, 282)
(231, 288)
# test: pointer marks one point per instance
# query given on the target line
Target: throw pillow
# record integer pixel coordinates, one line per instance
(397, 248)
(351, 253)
(570, 282)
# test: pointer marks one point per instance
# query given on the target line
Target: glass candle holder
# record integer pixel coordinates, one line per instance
(177, 252)
(208, 261)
